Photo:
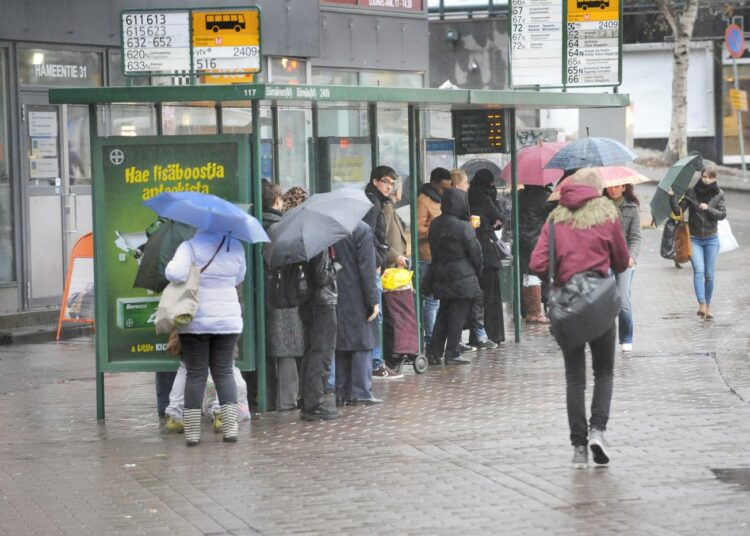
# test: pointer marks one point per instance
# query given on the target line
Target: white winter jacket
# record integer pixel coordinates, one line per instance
(218, 306)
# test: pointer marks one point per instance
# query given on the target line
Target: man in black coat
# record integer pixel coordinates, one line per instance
(454, 274)
(357, 310)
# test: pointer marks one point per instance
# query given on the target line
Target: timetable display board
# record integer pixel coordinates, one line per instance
(155, 42)
(536, 45)
(479, 131)
(196, 42)
(565, 43)
(593, 43)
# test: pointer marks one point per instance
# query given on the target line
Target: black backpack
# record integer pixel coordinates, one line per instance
(288, 286)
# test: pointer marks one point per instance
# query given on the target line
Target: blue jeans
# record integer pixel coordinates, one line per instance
(377, 352)
(703, 259)
(164, 382)
(625, 320)
(429, 309)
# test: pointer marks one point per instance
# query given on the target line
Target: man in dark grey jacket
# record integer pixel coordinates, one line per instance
(357, 310)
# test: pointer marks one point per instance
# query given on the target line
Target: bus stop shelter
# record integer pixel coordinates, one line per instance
(342, 122)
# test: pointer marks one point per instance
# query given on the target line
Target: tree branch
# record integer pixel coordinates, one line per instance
(666, 9)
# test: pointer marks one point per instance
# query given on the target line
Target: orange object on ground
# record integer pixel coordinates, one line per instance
(78, 297)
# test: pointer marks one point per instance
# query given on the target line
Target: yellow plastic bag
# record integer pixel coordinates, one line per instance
(396, 278)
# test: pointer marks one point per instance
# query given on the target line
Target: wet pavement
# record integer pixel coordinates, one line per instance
(479, 449)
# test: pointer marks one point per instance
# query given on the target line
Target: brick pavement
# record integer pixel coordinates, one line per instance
(480, 449)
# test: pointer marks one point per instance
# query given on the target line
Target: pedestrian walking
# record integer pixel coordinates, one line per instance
(209, 340)
(627, 203)
(428, 208)
(454, 275)
(706, 206)
(483, 203)
(588, 238)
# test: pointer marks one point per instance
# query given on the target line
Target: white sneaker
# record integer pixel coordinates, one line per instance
(627, 347)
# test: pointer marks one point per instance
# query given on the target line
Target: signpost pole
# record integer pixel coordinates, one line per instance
(740, 131)
(101, 330)
(516, 229)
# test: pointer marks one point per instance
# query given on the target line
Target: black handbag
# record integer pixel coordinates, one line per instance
(667, 239)
(583, 309)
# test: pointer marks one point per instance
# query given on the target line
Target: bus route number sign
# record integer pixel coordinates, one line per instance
(155, 42)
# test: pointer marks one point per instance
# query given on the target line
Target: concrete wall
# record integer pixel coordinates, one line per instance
(365, 40)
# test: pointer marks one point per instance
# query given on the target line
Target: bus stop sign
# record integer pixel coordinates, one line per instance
(734, 40)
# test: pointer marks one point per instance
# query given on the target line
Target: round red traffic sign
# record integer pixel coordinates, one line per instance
(734, 40)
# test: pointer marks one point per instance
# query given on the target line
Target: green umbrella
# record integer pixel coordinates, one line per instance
(678, 178)
(163, 238)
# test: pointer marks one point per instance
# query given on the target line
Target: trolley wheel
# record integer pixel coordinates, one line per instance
(420, 364)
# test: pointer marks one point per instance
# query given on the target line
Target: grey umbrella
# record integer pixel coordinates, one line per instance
(316, 224)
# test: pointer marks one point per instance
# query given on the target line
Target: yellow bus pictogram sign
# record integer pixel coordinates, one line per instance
(593, 10)
(226, 41)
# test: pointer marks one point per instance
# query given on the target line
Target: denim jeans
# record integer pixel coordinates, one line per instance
(353, 375)
(164, 382)
(703, 259)
(625, 319)
(603, 362)
(429, 309)
(377, 352)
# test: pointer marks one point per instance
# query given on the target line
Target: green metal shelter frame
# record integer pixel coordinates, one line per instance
(416, 100)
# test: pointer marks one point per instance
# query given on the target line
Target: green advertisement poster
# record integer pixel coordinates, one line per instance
(134, 170)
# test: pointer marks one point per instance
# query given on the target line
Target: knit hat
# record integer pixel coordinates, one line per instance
(587, 177)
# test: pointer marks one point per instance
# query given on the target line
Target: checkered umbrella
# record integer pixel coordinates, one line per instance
(591, 152)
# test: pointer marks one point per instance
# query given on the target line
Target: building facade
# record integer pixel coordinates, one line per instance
(45, 165)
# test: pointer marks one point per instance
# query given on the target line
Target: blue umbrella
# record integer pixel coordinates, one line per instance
(591, 152)
(209, 213)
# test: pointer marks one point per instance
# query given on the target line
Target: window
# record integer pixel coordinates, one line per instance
(66, 68)
(333, 77)
(390, 79)
(730, 131)
(7, 257)
(288, 71)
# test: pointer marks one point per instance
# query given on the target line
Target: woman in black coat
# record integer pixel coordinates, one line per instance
(533, 208)
(483, 203)
(454, 274)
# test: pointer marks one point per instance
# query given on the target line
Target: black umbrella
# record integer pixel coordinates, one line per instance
(158, 251)
(316, 224)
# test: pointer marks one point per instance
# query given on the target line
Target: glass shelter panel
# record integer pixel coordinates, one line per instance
(294, 143)
(344, 151)
(7, 251)
(191, 120)
(393, 151)
(127, 120)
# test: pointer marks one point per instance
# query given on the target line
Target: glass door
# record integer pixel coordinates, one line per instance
(56, 169)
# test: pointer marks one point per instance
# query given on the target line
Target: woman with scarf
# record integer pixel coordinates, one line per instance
(483, 203)
(624, 198)
(707, 206)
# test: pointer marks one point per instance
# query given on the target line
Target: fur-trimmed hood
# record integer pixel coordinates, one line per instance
(583, 207)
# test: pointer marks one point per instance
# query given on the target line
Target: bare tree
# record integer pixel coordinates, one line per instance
(680, 15)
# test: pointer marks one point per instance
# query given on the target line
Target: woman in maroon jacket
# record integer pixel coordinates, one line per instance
(588, 237)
